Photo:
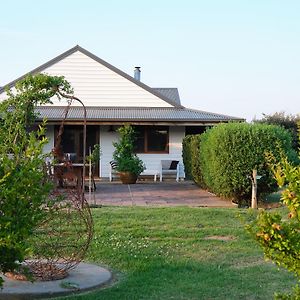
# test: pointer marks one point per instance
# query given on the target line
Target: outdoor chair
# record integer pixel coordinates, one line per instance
(70, 179)
(169, 167)
(113, 173)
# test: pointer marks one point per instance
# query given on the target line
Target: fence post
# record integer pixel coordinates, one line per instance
(254, 189)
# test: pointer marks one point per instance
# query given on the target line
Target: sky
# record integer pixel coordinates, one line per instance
(235, 57)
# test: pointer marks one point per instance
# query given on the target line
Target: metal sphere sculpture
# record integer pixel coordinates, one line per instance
(62, 239)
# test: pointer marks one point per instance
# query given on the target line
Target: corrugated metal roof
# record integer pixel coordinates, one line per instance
(55, 113)
(171, 93)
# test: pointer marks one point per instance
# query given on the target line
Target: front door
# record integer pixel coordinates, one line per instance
(72, 142)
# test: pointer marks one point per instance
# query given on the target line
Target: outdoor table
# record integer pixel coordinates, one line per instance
(75, 168)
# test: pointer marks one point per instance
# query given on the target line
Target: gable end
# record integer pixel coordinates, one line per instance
(100, 61)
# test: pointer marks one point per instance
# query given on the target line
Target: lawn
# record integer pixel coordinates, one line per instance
(171, 253)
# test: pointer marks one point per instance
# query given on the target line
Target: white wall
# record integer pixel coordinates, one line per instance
(97, 85)
(152, 161)
(107, 149)
(50, 135)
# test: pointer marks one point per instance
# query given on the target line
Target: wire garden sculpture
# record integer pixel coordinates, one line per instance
(62, 239)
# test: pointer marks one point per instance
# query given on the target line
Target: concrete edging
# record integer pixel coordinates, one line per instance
(83, 278)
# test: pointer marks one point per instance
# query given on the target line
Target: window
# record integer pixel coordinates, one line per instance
(152, 139)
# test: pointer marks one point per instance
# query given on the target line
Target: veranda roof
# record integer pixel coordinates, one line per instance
(132, 114)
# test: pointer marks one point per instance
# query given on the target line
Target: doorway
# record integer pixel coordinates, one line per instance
(72, 142)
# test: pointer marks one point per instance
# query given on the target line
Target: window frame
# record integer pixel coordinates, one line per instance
(146, 130)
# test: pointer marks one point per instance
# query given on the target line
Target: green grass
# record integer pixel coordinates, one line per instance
(162, 253)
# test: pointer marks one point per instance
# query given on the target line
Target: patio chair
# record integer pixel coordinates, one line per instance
(113, 173)
(49, 168)
(169, 167)
(70, 179)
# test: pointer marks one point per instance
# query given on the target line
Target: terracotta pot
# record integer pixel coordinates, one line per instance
(128, 178)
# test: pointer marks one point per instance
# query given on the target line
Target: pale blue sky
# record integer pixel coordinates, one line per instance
(236, 57)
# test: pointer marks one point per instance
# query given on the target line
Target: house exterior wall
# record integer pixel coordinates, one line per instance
(50, 135)
(152, 161)
(97, 85)
(107, 149)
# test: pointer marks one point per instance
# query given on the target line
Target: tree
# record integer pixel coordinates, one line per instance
(278, 234)
(126, 159)
(24, 187)
(289, 122)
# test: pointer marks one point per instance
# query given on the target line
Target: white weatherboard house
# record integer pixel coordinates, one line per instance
(113, 98)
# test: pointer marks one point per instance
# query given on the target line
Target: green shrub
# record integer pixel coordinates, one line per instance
(278, 233)
(196, 166)
(187, 155)
(191, 158)
(24, 187)
(225, 156)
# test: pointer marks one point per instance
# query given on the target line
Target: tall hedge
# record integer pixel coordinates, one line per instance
(191, 158)
(187, 155)
(225, 156)
(229, 153)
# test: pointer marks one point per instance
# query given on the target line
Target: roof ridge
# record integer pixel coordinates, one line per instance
(111, 107)
(41, 67)
(165, 88)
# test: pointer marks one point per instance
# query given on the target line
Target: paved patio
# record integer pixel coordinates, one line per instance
(169, 193)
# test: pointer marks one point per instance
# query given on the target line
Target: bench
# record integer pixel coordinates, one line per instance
(169, 167)
(153, 173)
(113, 173)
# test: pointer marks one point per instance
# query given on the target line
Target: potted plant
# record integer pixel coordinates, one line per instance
(129, 165)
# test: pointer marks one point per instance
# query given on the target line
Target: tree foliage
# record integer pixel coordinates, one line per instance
(289, 122)
(278, 234)
(24, 187)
